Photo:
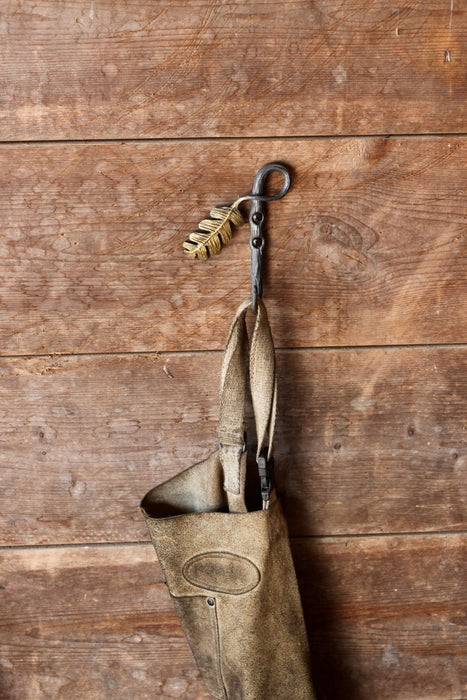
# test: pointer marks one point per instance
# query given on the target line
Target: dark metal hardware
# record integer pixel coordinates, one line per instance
(266, 474)
(257, 216)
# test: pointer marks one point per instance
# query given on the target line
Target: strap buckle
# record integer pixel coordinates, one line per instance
(242, 447)
(266, 474)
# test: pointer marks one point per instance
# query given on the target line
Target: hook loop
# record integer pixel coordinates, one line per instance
(263, 174)
(257, 214)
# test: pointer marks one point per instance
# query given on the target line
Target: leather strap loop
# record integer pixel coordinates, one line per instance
(233, 381)
(263, 383)
(263, 388)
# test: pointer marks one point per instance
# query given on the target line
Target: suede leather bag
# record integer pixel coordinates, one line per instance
(229, 570)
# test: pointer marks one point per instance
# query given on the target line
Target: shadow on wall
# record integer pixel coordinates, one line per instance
(331, 655)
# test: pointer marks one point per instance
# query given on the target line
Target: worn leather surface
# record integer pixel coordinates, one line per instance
(251, 644)
(230, 572)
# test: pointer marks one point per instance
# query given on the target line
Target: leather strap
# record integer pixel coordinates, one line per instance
(263, 388)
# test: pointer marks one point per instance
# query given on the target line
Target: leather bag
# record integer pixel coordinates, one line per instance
(228, 568)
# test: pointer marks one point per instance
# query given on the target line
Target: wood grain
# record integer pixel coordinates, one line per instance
(386, 616)
(109, 335)
(368, 248)
(212, 68)
(91, 623)
(386, 620)
(367, 440)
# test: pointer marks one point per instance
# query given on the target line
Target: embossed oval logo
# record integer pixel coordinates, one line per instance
(222, 572)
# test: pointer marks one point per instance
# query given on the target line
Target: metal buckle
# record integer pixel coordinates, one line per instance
(266, 474)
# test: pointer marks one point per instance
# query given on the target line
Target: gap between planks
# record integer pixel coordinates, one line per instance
(148, 543)
(303, 137)
(310, 348)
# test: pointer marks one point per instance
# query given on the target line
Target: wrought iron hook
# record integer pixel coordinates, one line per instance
(257, 216)
(217, 230)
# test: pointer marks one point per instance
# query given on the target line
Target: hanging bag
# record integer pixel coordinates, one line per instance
(230, 571)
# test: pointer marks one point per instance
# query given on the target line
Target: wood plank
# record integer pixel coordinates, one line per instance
(91, 622)
(386, 616)
(386, 619)
(211, 68)
(367, 440)
(368, 248)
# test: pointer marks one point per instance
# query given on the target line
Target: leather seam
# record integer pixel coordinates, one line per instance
(218, 645)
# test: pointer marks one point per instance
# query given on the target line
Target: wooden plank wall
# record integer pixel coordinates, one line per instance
(121, 125)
